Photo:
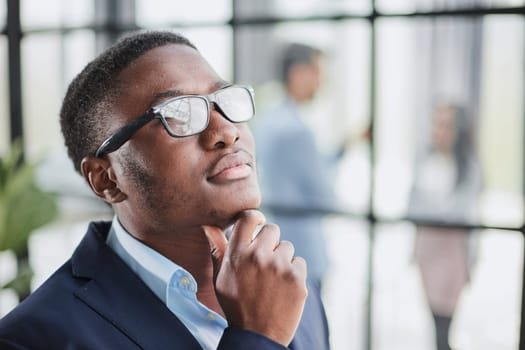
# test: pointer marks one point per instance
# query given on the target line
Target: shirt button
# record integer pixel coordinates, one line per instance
(211, 316)
(185, 281)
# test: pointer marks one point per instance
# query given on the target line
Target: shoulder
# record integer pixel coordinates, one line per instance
(53, 309)
(43, 312)
(282, 117)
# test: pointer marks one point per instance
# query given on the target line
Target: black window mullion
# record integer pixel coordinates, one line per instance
(14, 36)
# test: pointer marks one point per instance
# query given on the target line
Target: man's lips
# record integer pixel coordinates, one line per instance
(232, 166)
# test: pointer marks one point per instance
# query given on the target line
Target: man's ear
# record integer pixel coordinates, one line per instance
(101, 177)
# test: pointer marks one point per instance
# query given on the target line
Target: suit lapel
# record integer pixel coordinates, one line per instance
(121, 298)
(312, 332)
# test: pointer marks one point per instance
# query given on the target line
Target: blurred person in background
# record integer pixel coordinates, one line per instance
(295, 175)
(446, 188)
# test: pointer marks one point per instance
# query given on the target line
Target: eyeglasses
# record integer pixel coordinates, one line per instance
(188, 115)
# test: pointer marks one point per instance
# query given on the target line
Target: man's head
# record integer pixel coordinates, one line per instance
(301, 71)
(154, 178)
(84, 114)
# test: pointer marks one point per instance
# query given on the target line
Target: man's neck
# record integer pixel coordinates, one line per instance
(191, 251)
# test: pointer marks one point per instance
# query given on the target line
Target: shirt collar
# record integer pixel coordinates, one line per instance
(152, 267)
(171, 283)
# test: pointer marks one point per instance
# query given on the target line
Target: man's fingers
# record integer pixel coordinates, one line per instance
(268, 237)
(300, 267)
(218, 244)
(244, 227)
(253, 262)
(286, 250)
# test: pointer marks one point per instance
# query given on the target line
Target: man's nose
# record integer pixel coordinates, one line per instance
(220, 133)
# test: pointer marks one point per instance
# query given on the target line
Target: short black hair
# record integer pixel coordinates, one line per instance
(82, 118)
(296, 53)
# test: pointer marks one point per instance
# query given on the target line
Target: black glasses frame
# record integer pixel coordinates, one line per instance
(123, 134)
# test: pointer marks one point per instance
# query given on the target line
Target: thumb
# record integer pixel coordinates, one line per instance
(218, 244)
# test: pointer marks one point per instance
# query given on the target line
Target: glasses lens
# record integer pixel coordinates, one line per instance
(186, 116)
(236, 103)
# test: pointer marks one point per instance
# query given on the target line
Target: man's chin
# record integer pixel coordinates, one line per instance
(226, 215)
(231, 218)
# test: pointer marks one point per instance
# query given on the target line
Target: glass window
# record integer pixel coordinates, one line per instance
(78, 48)
(55, 13)
(4, 98)
(345, 287)
(469, 64)
(501, 119)
(43, 89)
(447, 90)
(403, 6)
(301, 8)
(397, 67)
(484, 291)
(216, 45)
(42, 93)
(158, 13)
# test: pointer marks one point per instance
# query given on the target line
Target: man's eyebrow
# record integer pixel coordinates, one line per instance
(168, 93)
(176, 92)
(221, 84)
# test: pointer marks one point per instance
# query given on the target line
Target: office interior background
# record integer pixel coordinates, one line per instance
(386, 64)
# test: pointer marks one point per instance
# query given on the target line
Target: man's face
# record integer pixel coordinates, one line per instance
(444, 130)
(181, 182)
(305, 79)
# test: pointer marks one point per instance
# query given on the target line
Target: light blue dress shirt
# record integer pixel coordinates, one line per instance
(171, 283)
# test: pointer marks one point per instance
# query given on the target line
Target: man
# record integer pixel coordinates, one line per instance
(294, 174)
(160, 137)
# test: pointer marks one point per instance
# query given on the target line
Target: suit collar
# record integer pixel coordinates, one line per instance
(120, 297)
(90, 252)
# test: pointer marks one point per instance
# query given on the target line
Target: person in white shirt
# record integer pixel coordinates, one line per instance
(446, 187)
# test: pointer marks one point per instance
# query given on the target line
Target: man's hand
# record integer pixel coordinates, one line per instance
(259, 283)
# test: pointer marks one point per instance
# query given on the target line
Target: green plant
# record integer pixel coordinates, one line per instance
(23, 208)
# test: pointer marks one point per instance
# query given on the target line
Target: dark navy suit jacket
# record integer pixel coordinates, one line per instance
(94, 301)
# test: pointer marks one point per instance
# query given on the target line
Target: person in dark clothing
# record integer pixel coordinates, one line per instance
(160, 137)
